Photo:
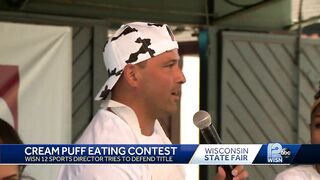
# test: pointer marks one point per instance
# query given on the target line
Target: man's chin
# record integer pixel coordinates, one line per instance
(173, 109)
(167, 113)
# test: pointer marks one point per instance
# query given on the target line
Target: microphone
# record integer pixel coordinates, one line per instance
(202, 120)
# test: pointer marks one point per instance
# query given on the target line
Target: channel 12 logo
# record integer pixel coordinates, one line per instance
(276, 153)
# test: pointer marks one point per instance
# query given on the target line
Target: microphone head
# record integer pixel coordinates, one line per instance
(202, 119)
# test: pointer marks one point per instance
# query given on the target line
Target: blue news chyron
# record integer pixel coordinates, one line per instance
(276, 154)
(96, 153)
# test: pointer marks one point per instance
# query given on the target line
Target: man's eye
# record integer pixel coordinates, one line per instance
(170, 65)
(317, 125)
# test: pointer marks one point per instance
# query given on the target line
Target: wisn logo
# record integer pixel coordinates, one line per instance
(276, 153)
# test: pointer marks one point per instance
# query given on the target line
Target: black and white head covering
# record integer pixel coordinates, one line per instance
(133, 43)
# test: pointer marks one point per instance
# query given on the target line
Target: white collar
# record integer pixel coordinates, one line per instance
(129, 116)
(124, 112)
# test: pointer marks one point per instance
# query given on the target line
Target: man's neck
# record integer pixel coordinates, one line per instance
(146, 122)
(145, 119)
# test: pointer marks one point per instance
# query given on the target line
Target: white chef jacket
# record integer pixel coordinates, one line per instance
(120, 126)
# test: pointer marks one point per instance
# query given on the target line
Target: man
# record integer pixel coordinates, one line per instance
(307, 172)
(144, 85)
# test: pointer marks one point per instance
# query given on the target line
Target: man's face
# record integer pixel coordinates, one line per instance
(315, 126)
(161, 83)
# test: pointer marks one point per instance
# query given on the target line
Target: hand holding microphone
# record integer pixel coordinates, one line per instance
(202, 120)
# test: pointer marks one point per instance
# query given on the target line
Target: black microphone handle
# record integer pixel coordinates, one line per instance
(228, 170)
(211, 137)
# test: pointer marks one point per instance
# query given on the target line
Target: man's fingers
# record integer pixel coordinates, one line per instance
(237, 170)
(239, 173)
(221, 175)
(243, 175)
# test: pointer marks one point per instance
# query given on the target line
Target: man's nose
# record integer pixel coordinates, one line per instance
(180, 76)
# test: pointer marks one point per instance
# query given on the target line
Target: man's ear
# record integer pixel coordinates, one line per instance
(130, 74)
